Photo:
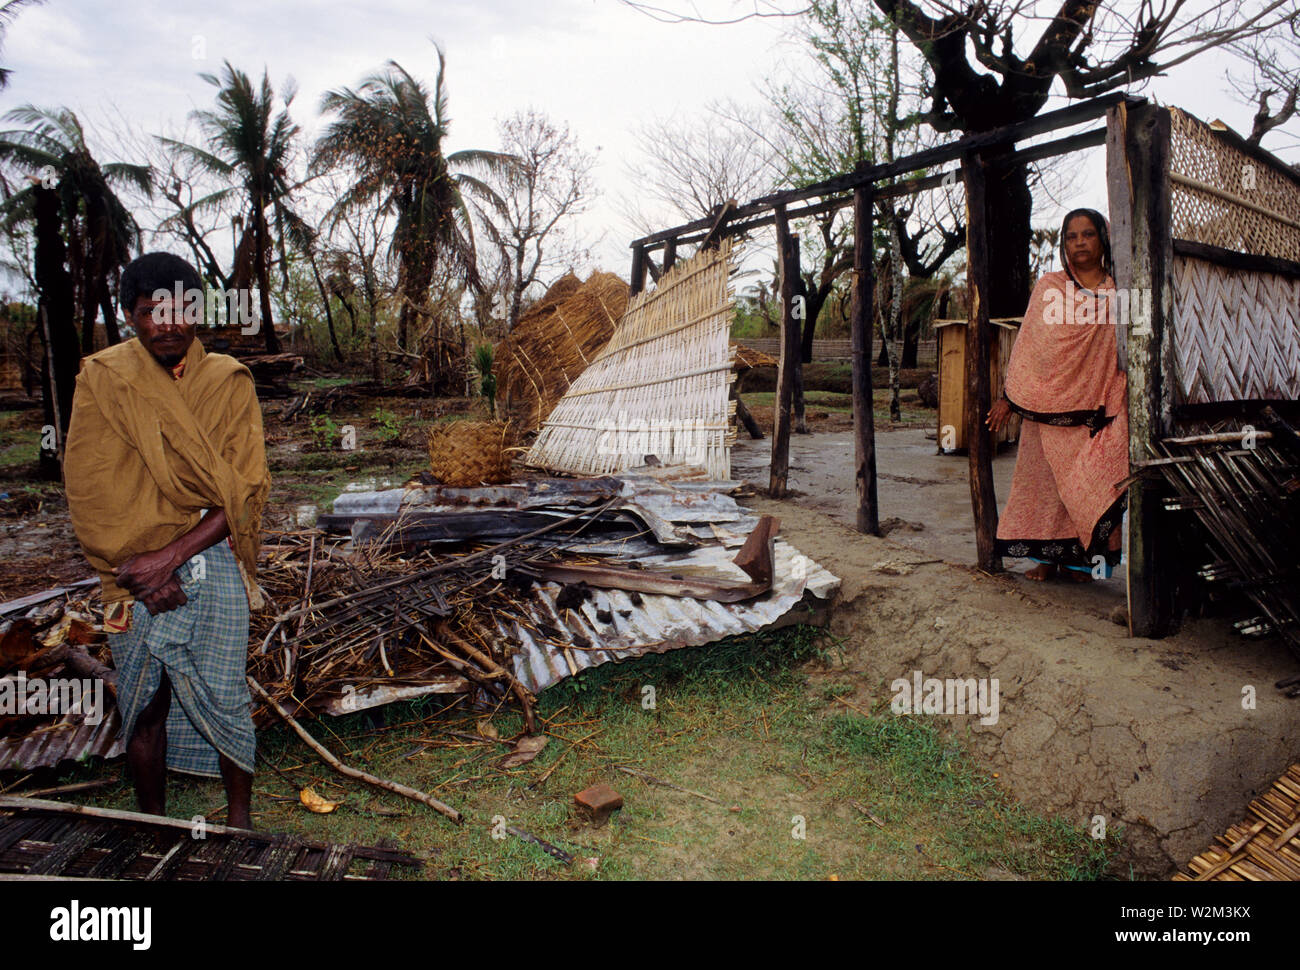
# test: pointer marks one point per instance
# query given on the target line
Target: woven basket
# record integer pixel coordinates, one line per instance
(468, 453)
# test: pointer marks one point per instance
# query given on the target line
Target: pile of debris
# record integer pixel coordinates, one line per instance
(57, 685)
(503, 591)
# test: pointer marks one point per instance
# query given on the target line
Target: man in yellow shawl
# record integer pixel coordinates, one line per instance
(165, 471)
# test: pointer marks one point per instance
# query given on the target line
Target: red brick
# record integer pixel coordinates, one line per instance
(599, 802)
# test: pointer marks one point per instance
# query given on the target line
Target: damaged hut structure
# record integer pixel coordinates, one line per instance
(1205, 233)
(620, 532)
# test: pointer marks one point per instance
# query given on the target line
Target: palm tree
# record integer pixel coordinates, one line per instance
(79, 222)
(253, 144)
(390, 131)
(9, 13)
(99, 230)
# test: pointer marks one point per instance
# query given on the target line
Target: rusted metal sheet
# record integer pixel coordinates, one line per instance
(67, 739)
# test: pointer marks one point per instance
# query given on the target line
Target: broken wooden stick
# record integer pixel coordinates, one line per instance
(393, 786)
(493, 669)
(863, 809)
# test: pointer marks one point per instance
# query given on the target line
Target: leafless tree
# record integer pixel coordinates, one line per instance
(998, 63)
(1273, 84)
(686, 168)
(548, 185)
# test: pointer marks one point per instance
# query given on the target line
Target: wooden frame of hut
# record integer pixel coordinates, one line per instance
(1179, 224)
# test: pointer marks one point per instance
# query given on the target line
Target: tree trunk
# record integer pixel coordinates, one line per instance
(110, 318)
(352, 315)
(376, 370)
(1009, 197)
(891, 341)
(812, 308)
(911, 337)
(329, 314)
(263, 280)
(516, 293)
(56, 317)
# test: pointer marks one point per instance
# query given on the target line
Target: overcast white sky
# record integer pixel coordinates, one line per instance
(597, 64)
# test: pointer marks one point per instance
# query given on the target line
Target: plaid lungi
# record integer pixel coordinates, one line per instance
(204, 647)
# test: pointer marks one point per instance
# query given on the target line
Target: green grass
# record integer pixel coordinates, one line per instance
(20, 440)
(734, 720)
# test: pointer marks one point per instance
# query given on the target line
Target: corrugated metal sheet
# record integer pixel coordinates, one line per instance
(68, 739)
(578, 639)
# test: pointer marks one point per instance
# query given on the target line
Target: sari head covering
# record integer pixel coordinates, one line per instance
(1103, 233)
(1064, 368)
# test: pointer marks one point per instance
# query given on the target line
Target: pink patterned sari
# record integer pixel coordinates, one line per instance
(1064, 378)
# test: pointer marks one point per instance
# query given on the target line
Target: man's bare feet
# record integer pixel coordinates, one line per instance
(1075, 576)
(1043, 571)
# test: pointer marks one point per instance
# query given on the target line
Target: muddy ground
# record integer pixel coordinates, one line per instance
(1153, 735)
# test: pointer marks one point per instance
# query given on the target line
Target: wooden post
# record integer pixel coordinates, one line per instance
(670, 253)
(800, 410)
(1138, 183)
(860, 315)
(637, 282)
(788, 248)
(979, 397)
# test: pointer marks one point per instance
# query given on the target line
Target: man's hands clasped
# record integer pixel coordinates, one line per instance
(151, 578)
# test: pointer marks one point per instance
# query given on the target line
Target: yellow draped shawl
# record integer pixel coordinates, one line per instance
(147, 454)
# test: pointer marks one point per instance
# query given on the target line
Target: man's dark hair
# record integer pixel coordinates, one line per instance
(1099, 223)
(155, 271)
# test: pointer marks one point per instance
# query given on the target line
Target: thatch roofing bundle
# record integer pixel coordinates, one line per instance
(747, 358)
(554, 342)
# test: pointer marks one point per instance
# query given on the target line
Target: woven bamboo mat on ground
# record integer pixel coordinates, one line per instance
(1265, 847)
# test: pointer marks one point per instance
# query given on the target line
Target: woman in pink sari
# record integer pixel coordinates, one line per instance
(1064, 510)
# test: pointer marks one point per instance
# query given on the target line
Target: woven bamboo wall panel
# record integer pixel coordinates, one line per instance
(660, 386)
(1236, 334)
(1223, 197)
